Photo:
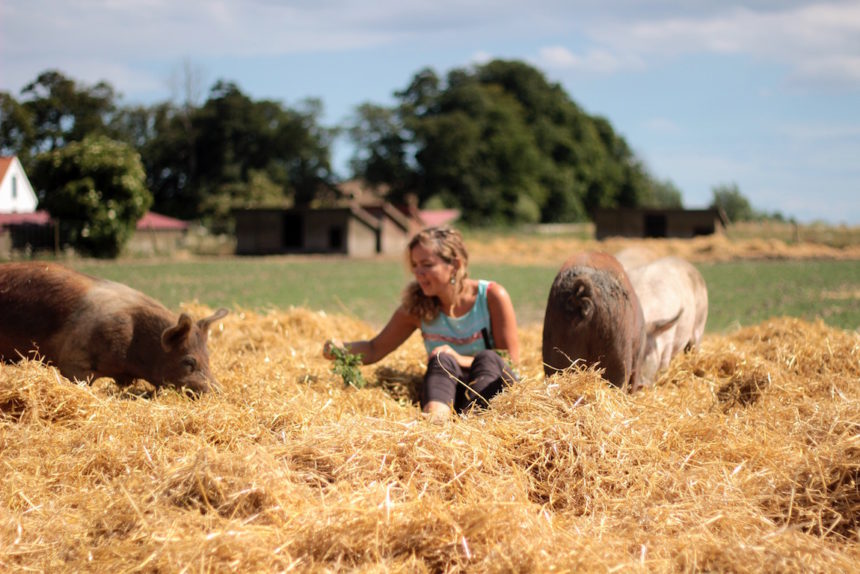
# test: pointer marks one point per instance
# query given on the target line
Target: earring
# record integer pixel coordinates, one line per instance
(453, 280)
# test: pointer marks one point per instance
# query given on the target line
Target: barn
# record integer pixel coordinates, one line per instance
(36, 231)
(355, 220)
(157, 234)
(657, 222)
(346, 230)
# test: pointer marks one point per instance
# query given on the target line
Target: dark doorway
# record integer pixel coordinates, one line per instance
(293, 231)
(655, 225)
(335, 238)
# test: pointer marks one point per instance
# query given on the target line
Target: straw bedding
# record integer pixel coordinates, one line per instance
(705, 248)
(744, 457)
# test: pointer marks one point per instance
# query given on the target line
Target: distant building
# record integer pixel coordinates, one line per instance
(655, 222)
(16, 193)
(359, 222)
(346, 230)
(36, 231)
(156, 234)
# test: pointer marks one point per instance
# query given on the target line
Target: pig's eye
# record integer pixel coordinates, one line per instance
(190, 363)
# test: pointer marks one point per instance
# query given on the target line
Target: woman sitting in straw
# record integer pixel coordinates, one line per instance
(463, 322)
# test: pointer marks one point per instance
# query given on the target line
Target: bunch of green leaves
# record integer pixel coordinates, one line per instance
(347, 366)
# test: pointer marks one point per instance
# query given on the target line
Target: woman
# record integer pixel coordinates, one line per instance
(463, 322)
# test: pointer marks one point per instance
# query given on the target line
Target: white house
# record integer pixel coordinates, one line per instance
(16, 193)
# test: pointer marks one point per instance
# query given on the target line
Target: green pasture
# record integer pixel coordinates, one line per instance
(740, 293)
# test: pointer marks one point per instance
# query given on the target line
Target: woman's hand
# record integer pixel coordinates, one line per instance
(329, 346)
(463, 361)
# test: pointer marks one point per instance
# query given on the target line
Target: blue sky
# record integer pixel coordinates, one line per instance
(764, 94)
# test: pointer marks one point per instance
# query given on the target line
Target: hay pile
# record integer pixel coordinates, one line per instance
(744, 458)
(706, 248)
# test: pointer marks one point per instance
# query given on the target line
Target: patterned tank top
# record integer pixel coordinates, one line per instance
(467, 334)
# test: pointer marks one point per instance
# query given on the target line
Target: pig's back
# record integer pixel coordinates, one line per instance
(36, 300)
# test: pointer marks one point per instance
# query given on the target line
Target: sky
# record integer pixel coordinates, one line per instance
(762, 94)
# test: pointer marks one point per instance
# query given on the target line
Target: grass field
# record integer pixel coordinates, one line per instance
(741, 293)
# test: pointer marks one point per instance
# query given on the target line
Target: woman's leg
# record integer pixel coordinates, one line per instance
(488, 376)
(439, 389)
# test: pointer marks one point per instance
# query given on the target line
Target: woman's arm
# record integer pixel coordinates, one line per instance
(398, 329)
(503, 321)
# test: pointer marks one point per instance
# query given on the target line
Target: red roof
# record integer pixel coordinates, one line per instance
(158, 222)
(434, 217)
(5, 162)
(35, 217)
(149, 222)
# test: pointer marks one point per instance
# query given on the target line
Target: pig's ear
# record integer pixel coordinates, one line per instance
(203, 324)
(174, 336)
(579, 303)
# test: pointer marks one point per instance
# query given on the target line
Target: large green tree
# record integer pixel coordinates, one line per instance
(232, 151)
(96, 189)
(53, 110)
(500, 142)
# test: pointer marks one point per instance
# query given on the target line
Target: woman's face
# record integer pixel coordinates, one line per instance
(431, 271)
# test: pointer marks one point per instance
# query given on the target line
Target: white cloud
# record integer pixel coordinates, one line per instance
(594, 60)
(818, 41)
(480, 57)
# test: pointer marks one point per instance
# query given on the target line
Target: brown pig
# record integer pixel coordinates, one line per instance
(89, 328)
(593, 315)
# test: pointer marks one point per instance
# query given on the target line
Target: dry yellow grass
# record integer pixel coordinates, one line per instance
(744, 458)
(710, 248)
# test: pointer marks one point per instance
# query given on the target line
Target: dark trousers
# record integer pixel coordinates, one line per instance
(447, 382)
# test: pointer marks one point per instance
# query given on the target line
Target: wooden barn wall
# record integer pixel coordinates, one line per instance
(259, 232)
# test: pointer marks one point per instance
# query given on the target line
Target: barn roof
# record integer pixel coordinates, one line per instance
(435, 217)
(35, 218)
(151, 221)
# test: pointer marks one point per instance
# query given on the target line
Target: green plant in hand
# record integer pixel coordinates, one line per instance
(347, 366)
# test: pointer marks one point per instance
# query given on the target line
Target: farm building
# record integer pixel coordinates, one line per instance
(20, 224)
(36, 231)
(358, 223)
(347, 230)
(156, 233)
(654, 222)
(23, 228)
(16, 193)
(26, 231)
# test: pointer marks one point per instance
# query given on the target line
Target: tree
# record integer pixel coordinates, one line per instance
(380, 147)
(53, 111)
(96, 189)
(17, 133)
(663, 194)
(501, 143)
(235, 137)
(728, 197)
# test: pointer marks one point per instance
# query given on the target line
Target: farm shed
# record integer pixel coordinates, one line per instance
(35, 231)
(156, 233)
(347, 230)
(653, 222)
(26, 231)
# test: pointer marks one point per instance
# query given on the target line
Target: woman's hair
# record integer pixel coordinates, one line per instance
(447, 244)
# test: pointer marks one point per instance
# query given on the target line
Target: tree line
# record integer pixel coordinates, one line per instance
(498, 141)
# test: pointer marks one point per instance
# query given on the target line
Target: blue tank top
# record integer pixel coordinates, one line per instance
(467, 334)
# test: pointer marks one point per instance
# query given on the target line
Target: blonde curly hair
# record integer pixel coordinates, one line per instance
(447, 244)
